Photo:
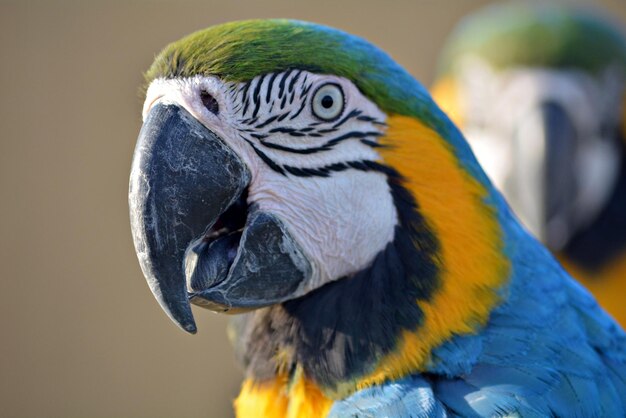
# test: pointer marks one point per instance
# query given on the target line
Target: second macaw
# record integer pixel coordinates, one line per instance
(296, 175)
(540, 93)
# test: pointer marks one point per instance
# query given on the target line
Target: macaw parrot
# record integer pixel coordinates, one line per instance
(540, 93)
(295, 175)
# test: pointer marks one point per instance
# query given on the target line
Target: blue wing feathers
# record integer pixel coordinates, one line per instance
(457, 357)
(412, 397)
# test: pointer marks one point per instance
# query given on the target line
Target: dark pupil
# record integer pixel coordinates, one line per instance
(209, 102)
(327, 102)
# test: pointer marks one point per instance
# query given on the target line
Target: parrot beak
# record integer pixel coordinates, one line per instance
(183, 177)
(560, 171)
(545, 150)
(196, 237)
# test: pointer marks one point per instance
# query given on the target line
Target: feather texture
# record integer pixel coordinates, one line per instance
(549, 350)
(412, 397)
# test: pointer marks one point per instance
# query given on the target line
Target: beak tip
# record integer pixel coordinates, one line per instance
(183, 318)
(187, 324)
(190, 328)
(178, 311)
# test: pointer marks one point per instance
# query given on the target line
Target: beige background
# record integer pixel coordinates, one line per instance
(81, 335)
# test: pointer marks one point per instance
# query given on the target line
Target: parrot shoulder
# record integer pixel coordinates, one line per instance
(548, 350)
(411, 397)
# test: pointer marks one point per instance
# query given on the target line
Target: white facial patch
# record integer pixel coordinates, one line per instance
(308, 158)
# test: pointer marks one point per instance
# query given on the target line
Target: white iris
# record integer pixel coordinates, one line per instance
(328, 102)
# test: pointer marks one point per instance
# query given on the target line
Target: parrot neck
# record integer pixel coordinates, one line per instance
(438, 278)
(334, 334)
(464, 212)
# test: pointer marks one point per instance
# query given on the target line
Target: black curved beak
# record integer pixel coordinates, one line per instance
(183, 177)
(196, 237)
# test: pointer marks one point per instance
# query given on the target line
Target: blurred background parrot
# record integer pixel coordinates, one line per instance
(539, 92)
(298, 176)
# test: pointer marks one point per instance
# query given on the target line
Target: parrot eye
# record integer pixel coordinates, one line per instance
(328, 102)
(209, 102)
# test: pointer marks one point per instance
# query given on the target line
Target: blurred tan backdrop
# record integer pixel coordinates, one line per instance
(81, 335)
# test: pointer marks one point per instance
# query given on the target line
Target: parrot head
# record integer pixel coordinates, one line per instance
(539, 93)
(294, 167)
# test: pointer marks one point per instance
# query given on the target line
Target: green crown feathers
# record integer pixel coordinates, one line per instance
(240, 51)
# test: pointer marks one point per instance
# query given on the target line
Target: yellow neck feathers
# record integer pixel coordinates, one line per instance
(280, 398)
(472, 264)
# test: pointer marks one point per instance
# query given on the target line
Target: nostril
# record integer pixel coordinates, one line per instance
(209, 102)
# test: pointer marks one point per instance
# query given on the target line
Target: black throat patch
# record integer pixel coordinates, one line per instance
(338, 332)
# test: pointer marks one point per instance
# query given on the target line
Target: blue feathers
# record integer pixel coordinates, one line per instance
(412, 397)
(548, 351)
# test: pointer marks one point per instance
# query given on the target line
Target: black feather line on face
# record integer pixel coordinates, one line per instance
(292, 83)
(371, 143)
(270, 84)
(281, 85)
(302, 104)
(282, 117)
(328, 145)
(338, 332)
(291, 97)
(371, 120)
(293, 150)
(346, 118)
(305, 88)
(244, 93)
(267, 160)
(256, 97)
(267, 122)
